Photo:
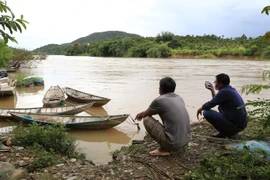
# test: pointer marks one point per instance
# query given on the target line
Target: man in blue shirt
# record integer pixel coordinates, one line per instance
(230, 119)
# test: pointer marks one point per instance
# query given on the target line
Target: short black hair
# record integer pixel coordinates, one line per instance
(167, 85)
(223, 78)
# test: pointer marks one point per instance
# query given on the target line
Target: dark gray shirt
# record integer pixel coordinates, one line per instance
(173, 113)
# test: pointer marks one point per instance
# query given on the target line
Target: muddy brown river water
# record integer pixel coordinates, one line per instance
(131, 83)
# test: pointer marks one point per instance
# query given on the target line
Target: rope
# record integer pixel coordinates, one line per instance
(137, 124)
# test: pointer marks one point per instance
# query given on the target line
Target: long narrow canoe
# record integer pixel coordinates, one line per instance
(80, 96)
(53, 97)
(73, 122)
(70, 110)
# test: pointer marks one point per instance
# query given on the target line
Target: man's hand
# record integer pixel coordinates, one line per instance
(211, 87)
(143, 114)
(199, 112)
(139, 116)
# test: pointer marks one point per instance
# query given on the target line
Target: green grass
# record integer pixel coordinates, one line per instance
(233, 164)
(47, 144)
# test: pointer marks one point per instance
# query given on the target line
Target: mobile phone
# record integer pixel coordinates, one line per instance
(207, 84)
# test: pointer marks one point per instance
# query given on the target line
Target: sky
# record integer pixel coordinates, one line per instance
(63, 21)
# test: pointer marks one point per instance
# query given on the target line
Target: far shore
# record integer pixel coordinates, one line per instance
(176, 56)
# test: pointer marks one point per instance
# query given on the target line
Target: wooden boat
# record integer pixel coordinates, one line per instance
(53, 97)
(73, 122)
(73, 109)
(5, 80)
(6, 90)
(80, 96)
(11, 69)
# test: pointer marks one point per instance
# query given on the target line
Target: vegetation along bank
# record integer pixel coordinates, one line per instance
(165, 44)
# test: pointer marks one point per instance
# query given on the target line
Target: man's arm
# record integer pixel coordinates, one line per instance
(199, 112)
(213, 93)
(217, 99)
(154, 108)
(143, 114)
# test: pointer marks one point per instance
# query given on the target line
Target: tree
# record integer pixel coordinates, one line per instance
(266, 36)
(5, 54)
(164, 37)
(261, 107)
(244, 37)
(266, 10)
(9, 24)
(21, 58)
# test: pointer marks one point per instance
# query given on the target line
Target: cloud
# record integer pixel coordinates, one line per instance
(63, 21)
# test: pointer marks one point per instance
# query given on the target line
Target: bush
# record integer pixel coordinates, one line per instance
(164, 50)
(206, 56)
(159, 51)
(47, 144)
(52, 138)
(153, 53)
(42, 158)
(266, 53)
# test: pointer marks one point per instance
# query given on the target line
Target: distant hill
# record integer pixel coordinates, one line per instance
(94, 37)
(100, 36)
(52, 49)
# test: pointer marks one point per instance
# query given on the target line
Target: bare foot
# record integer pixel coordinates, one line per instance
(157, 152)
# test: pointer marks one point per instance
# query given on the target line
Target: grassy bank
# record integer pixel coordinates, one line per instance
(211, 56)
(52, 155)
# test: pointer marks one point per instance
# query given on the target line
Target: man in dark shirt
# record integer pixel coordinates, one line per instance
(230, 119)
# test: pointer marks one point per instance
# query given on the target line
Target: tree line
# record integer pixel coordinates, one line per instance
(166, 44)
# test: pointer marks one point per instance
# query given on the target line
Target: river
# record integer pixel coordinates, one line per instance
(131, 83)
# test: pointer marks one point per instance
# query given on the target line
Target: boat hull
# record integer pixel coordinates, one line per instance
(96, 102)
(53, 97)
(80, 122)
(83, 97)
(68, 110)
(7, 91)
(52, 104)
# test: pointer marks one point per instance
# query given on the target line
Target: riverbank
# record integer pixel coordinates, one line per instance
(134, 162)
(210, 56)
(181, 56)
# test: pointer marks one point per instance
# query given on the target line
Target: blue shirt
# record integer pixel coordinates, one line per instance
(229, 102)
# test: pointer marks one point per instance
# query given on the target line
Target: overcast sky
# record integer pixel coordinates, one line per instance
(62, 21)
